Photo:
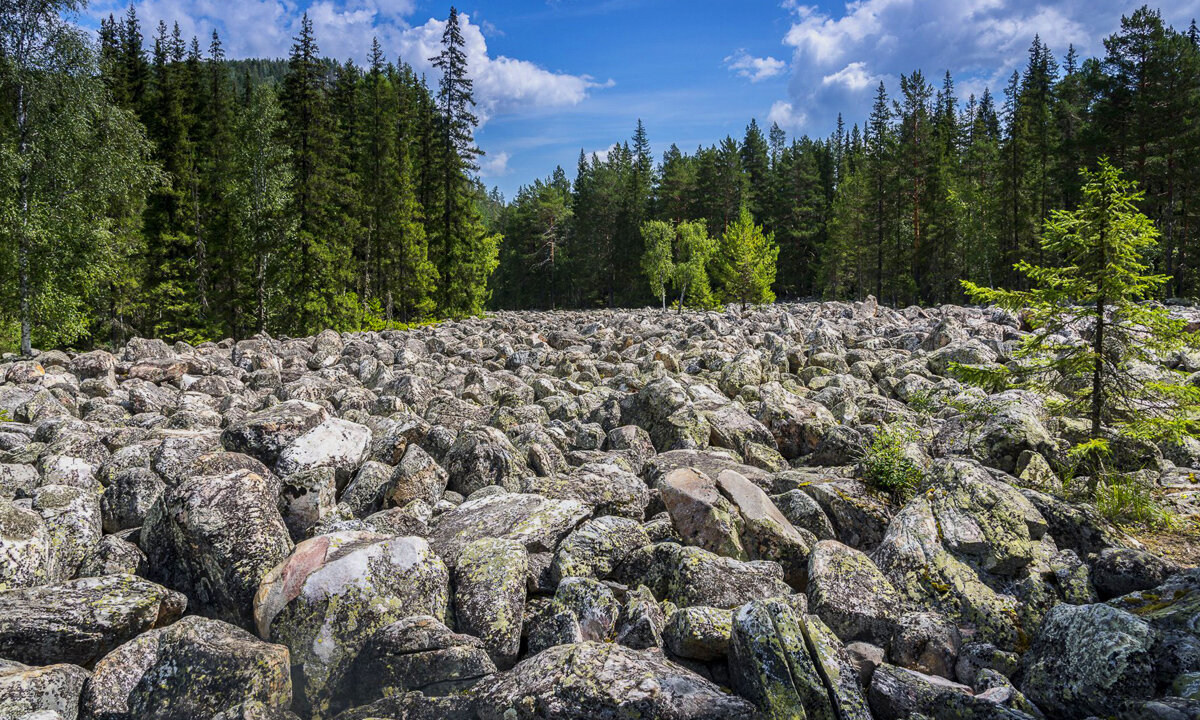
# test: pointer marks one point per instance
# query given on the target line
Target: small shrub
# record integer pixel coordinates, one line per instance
(886, 467)
(923, 402)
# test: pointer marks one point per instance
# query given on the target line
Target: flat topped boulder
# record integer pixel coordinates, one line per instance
(537, 522)
(79, 621)
(266, 433)
(602, 681)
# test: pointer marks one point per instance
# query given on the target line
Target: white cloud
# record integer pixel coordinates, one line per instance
(495, 165)
(344, 29)
(753, 68)
(602, 155)
(854, 77)
(786, 115)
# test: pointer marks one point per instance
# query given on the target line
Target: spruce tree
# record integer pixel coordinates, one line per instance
(745, 262)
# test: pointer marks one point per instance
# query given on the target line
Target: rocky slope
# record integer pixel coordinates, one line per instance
(571, 515)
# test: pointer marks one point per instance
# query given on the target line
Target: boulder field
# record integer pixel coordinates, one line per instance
(575, 515)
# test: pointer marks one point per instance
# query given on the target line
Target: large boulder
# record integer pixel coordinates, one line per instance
(597, 547)
(79, 621)
(482, 456)
(1087, 659)
(602, 681)
(851, 595)
(266, 433)
(40, 693)
(335, 443)
(334, 591)
(24, 547)
(687, 575)
(194, 668)
(417, 653)
(489, 595)
(213, 538)
(536, 522)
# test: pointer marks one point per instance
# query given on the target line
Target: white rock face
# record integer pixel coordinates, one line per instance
(336, 443)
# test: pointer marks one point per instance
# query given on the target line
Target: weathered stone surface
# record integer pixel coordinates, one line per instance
(536, 522)
(851, 595)
(334, 591)
(699, 633)
(194, 668)
(1120, 571)
(597, 547)
(213, 538)
(24, 547)
(1087, 658)
(336, 443)
(266, 433)
(40, 693)
(489, 595)
(79, 621)
(603, 681)
(417, 653)
(689, 576)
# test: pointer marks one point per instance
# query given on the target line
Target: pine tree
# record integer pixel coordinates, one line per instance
(319, 266)
(1100, 288)
(746, 262)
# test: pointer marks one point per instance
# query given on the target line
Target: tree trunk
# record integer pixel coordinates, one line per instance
(260, 277)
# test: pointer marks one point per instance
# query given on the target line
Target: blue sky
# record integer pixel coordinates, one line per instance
(556, 76)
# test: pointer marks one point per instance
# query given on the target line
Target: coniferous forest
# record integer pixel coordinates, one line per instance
(154, 187)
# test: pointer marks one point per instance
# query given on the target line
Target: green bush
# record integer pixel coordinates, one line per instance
(886, 467)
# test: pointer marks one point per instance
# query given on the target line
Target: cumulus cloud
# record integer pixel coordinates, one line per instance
(344, 29)
(839, 55)
(755, 69)
(786, 116)
(495, 165)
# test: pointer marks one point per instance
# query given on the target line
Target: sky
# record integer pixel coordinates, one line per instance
(553, 77)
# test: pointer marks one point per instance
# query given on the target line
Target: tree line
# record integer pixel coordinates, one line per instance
(930, 190)
(153, 187)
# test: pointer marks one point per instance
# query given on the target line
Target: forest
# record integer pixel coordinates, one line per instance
(153, 187)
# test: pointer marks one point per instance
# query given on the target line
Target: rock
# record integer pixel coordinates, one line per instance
(897, 693)
(194, 668)
(334, 591)
(926, 642)
(128, 498)
(364, 494)
(640, 625)
(417, 477)
(602, 681)
(335, 443)
(536, 522)
(1171, 610)
(595, 548)
(213, 538)
(851, 595)
(974, 657)
(265, 434)
(417, 653)
(864, 658)
(797, 424)
(770, 664)
(79, 621)
(859, 519)
(833, 664)
(699, 633)
(592, 604)
(116, 556)
(1120, 571)
(40, 693)
(1086, 658)
(693, 576)
(306, 498)
(804, 513)
(73, 525)
(24, 547)
(735, 518)
(483, 456)
(607, 487)
(489, 595)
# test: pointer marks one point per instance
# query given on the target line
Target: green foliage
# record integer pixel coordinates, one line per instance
(658, 262)
(745, 263)
(886, 466)
(1126, 501)
(1100, 289)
